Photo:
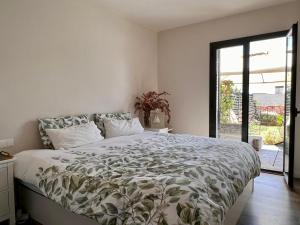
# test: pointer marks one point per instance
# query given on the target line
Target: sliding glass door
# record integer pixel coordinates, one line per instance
(252, 94)
(266, 100)
(229, 69)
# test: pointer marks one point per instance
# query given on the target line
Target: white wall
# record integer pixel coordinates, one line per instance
(183, 63)
(63, 57)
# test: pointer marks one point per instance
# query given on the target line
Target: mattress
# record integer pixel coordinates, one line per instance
(147, 178)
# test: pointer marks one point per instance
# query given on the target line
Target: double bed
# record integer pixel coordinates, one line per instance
(147, 178)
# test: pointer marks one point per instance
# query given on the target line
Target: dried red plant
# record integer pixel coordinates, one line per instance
(152, 101)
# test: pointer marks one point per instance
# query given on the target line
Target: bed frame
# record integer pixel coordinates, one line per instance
(47, 212)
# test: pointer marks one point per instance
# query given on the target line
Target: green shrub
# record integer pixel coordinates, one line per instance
(272, 137)
(226, 100)
(279, 120)
(268, 119)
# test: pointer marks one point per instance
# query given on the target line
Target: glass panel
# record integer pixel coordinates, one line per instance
(229, 89)
(266, 100)
(289, 58)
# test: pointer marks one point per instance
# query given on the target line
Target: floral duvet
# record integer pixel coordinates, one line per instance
(144, 179)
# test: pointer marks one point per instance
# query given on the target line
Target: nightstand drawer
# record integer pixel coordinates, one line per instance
(4, 206)
(3, 178)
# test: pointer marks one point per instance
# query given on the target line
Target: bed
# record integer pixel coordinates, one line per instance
(148, 178)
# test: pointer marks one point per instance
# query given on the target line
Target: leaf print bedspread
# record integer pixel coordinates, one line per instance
(144, 179)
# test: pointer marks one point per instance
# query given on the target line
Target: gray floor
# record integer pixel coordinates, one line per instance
(271, 157)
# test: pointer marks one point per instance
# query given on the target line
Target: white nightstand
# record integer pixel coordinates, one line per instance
(159, 130)
(7, 197)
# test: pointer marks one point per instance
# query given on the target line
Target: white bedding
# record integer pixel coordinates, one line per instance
(153, 178)
(28, 162)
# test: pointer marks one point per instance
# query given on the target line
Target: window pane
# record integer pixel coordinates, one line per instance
(229, 89)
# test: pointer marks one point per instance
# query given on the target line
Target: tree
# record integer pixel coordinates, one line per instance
(226, 100)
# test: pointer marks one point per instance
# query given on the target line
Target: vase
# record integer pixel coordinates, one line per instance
(147, 118)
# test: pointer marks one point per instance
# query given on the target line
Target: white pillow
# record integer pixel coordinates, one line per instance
(115, 128)
(74, 136)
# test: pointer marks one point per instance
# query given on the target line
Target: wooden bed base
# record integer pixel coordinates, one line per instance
(48, 212)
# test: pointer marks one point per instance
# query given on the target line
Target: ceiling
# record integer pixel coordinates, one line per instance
(166, 14)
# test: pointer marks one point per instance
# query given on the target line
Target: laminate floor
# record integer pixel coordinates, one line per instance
(271, 203)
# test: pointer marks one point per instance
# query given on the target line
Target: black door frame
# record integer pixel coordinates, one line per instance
(290, 177)
(214, 46)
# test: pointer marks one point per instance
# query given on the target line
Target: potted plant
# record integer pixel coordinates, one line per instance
(152, 101)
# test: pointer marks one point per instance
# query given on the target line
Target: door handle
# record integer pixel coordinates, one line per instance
(297, 112)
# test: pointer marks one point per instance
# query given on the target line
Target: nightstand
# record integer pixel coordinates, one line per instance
(7, 197)
(160, 130)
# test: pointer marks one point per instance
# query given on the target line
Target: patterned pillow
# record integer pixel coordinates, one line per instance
(58, 123)
(98, 118)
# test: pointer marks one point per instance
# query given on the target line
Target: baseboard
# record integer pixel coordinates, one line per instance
(297, 185)
(296, 175)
